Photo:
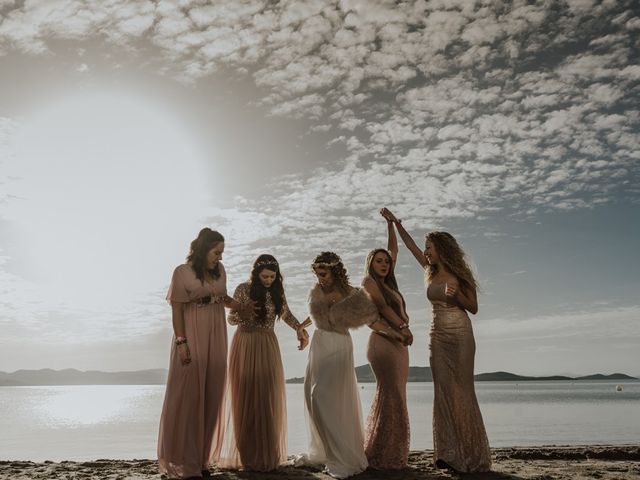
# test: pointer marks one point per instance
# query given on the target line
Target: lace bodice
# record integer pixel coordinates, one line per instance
(242, 295)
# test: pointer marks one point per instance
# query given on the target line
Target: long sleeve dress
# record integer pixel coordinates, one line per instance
(332, 402)
(459, 436)
(256, 437)
(191, 426)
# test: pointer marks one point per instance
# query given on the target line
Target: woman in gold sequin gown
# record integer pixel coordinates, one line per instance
(256, 436)
(387, 430)
(459, 437)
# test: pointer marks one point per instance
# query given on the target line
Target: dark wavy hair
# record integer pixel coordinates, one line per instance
(258, 292)
(200, 247)
(452, 257)
(388, 283)
(334, 263)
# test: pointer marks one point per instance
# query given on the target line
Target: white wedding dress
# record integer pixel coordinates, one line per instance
(332, 402)
(334, 414)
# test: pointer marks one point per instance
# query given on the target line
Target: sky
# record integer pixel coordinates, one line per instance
(126, 126)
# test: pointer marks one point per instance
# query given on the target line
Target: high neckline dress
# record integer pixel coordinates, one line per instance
(256, 434)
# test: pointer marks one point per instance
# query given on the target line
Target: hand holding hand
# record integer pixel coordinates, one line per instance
(303, 337)
(388, 216)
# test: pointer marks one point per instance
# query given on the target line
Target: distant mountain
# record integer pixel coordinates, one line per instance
(158, 376)
(364, 374)
(510, 377)
(76, 377)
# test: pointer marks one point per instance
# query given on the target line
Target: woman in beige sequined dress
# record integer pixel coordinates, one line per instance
(459, 437)
(387, 430)
(256, 437)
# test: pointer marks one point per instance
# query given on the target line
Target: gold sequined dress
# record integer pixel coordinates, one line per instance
(459, 436)
(256, 434)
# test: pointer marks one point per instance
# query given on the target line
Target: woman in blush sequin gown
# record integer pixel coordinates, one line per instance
(387, 431)
(459, 437)
(191, 427)
(256, 436)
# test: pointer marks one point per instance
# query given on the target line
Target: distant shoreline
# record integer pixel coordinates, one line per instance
(364, 374)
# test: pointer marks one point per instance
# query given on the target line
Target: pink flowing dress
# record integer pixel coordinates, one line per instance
(256, 433)
(191, 426)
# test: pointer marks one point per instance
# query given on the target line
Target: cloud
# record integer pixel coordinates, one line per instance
(444, 110)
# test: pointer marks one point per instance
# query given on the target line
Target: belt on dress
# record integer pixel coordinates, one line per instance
(209, 299)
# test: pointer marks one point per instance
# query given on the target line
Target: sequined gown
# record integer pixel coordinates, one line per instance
(459, 436)
(387, 432)
(191, 426)
(256, 436)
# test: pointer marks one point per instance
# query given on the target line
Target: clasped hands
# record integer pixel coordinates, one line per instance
(302, 334)
(388, 216)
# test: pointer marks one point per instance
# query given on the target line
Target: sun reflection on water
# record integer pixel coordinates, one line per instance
(84, 405)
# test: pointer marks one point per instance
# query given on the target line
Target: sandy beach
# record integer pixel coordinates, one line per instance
(539, 463)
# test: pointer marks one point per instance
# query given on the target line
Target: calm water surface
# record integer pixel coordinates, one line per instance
(121, 421)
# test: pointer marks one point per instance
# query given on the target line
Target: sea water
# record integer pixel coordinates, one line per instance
(121, 421)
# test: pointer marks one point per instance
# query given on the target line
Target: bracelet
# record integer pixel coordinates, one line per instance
(403, 326)
(181, 340)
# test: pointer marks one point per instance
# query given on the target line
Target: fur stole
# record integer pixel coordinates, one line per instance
(353, 311)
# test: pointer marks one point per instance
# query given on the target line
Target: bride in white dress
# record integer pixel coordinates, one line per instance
(332, 402)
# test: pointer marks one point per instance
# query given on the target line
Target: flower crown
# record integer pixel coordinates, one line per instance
(266, 263)
(335, 263)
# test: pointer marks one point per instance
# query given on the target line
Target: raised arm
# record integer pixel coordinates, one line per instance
(392, 241)
(406, 238)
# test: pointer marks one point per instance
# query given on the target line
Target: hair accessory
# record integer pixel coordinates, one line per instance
(325, 264)
(267, 263)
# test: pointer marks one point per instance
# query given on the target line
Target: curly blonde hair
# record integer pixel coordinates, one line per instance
(452, 258)
(332, 262)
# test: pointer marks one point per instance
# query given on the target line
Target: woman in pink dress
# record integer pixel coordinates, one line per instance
(256, 437)
(387, 431)
(459, 437)
(191, 426)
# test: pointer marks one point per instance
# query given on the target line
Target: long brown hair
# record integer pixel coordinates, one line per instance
(333, 263)
(388, 283)
(452, 258)
(200, 247)
(258, 292)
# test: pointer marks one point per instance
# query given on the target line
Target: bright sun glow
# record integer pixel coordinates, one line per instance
(111, 189)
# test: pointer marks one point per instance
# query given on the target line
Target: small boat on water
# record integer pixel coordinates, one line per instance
(619, 388)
